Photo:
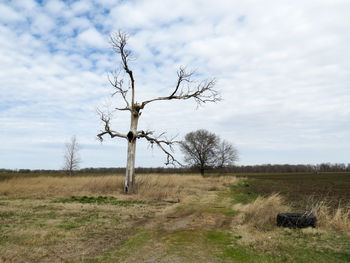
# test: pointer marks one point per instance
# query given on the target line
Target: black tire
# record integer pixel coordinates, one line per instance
(296, 220)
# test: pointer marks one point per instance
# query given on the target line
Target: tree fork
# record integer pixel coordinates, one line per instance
(201, 92)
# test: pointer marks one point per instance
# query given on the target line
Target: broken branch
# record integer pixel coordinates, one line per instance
(107, 130)
(161, 143)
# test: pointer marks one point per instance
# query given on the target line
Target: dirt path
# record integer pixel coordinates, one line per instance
(179, 233)
(49, 219)
(171, 219)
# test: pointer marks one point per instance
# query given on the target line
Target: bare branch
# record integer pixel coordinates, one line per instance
(118, 41)
(107, 130)
(71, 156)
(185, 88)
(203, 92)
(161, 143)
(122, 109)
(181, 77)
(117, 83)
(226, 154)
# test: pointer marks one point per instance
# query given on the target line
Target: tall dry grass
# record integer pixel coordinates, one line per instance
(261, 214)
(149, 187)
(60, 186)
(161, 187)
(336, 219)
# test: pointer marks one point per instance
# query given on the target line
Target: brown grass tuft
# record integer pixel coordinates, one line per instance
(261, 213)
(162, 187)
(336, 219)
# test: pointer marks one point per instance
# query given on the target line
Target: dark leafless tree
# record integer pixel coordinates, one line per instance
(204, 149)
(71, 156)
(199, 148)
(226, 154)
(185, 88)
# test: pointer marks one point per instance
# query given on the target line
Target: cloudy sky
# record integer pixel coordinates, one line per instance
(282, 67)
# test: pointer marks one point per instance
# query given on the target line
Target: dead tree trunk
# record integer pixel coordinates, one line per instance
(202, 92)
(129, 186)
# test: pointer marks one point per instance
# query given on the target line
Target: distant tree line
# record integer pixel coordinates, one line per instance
(262, 168)
(291, 168)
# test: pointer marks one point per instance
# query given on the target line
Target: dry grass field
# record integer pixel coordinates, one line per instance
(171, 218)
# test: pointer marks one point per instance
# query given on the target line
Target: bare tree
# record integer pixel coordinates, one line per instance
(71, 156)
(185, 88)
(226, 154)
(204, 149)
(199, 148)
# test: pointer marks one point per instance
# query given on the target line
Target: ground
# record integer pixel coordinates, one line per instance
(172, 218)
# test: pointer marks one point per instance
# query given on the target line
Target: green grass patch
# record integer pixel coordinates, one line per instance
(295, 247)
(127, 247)
(100, 200)
(228, 249)
(6, 214)
(78, 222)
(183, 238)
(243, 192)
(324, 247)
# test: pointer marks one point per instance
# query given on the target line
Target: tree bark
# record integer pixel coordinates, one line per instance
(202, 170)
(129, 185)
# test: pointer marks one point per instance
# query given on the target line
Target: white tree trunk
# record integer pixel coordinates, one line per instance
(129, 186)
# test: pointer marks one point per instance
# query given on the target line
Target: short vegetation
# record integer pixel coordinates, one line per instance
(176, 218)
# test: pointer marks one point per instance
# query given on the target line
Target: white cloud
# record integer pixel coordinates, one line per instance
(78, 24)
(7, 14)
(81, 7)
(107, 3)
(92, 38)
(55, 7)
(283, 74)
(42, 24)
(26, 7)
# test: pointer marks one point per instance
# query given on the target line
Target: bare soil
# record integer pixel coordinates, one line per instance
(302, 190)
